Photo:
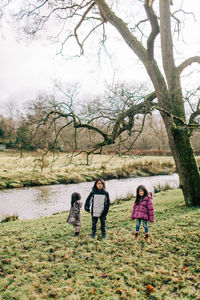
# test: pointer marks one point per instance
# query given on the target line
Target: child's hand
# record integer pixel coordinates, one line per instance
(80, 203)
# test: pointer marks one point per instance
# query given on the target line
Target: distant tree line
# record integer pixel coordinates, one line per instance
(26, 131)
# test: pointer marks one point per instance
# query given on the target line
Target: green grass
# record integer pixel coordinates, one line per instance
(40, 260)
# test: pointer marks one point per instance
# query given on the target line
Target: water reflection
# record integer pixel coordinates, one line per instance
(35, 202)
(43, 195)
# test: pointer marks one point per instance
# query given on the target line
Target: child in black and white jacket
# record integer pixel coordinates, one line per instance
(99, 202)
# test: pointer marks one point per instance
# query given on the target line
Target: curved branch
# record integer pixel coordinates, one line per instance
(154, 26)
(137, 26)
(38, 7)
(185, 12)
(79, 24)
(188, 62)
(193, 116)
(142, 108)
(93, 29)
(90, 127)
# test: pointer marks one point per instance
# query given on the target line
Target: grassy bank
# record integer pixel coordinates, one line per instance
(31, 170)
(39, 259)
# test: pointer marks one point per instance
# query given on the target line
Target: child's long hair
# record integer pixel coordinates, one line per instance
(75, 197)
(138, 197)
(95, 183)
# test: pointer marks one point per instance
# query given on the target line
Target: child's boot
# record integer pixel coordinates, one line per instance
(136, 236)
(147, 238)
(75, 234)
(104, 236)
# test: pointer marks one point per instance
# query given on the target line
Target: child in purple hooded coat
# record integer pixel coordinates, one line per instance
(143, 210)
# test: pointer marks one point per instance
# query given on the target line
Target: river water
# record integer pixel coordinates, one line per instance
(35, 202)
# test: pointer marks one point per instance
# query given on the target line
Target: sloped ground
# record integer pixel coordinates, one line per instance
(40, 260)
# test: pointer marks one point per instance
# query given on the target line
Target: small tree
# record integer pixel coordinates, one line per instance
(24, 138)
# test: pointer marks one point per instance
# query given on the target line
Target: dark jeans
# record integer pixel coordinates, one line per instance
(144, 223)
(103, 224)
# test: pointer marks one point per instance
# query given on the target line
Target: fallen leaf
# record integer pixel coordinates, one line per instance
(150, 288)
(93, 291)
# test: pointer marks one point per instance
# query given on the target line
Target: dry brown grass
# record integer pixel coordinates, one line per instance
(31, 169)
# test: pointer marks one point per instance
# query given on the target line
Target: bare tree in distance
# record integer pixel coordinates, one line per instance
(109, 118)
(156, 128)
(80, 20)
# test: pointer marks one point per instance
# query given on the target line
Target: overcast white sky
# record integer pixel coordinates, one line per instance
(28, 69)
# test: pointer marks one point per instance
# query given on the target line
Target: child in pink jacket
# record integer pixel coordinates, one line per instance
(143, 210)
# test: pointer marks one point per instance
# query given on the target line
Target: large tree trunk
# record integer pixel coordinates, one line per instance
(176, 125)
(179, 141)
(186, 165)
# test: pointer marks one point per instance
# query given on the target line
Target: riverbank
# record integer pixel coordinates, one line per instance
(40, 260)
(31, 169)
(40, 201)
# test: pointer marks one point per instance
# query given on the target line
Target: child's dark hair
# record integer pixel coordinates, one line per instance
(138, 197)
(102, 181)
(75, 197)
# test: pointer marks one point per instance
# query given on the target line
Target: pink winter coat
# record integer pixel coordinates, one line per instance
(144, 210)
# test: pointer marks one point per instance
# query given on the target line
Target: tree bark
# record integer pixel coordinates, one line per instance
(177, 133)
(186, 164)
(186, 167)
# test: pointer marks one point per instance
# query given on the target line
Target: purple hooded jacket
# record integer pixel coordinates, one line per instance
(144, 210)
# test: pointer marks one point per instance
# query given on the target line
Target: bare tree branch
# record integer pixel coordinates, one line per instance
(154, 27)
(193, 116)
(79, 24)
(138, 27)
(121, 26)
(37, 7)
(188, 62)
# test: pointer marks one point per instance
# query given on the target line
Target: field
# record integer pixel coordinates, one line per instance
(32, 170)
(40, 260)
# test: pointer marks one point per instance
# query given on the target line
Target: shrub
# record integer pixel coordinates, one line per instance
(160, 188)
(9, 218)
